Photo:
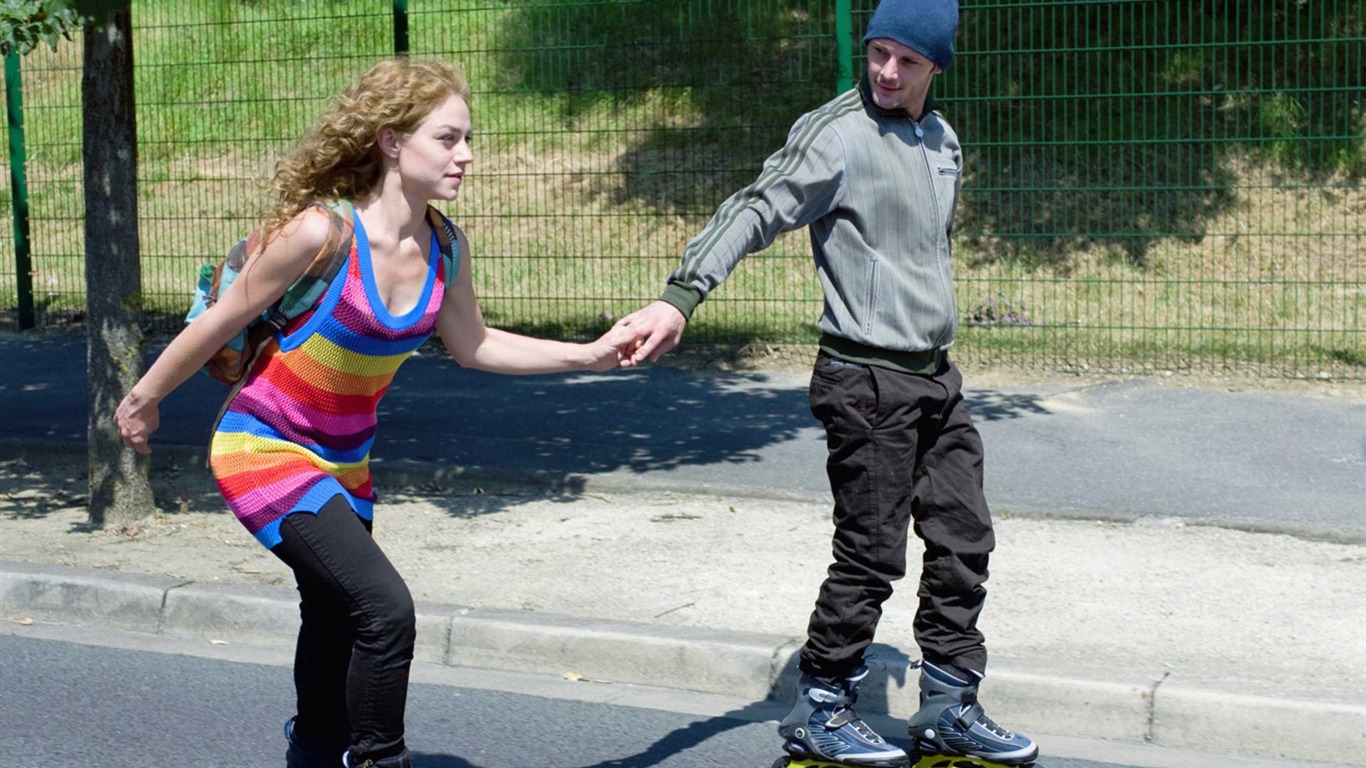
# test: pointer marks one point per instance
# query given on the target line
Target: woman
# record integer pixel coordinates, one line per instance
(296, 437)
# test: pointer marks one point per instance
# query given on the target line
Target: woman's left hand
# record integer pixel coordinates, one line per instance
(137, 419)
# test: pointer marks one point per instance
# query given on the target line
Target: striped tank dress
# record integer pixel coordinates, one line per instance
(299, 431)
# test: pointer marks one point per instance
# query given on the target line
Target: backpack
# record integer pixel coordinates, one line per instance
(231, 363)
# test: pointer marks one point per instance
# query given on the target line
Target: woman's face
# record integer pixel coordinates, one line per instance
(433, 158)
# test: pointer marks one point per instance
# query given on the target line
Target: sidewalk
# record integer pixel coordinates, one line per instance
(689, 555)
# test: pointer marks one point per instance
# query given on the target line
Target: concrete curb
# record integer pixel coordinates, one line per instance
(731, 663)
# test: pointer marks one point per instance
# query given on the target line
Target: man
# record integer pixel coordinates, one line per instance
(874, 175)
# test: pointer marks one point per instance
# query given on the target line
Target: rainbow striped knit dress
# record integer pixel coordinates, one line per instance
(299, 431)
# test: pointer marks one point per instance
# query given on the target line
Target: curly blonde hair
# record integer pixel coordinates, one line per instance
(339, 159)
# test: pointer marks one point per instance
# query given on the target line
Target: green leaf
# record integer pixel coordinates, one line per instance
(25, 23)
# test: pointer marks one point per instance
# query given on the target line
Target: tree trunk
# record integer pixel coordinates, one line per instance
(120, 489)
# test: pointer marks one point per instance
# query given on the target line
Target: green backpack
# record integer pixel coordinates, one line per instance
(231, 363)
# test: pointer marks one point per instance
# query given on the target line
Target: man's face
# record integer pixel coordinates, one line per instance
(900, 77)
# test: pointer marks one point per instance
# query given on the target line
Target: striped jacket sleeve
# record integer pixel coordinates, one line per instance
(798, 184)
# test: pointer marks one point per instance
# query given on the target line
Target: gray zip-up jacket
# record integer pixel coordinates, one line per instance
(878, 192)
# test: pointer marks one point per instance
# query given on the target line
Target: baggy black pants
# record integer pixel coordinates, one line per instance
(356, 638)
(902, 448)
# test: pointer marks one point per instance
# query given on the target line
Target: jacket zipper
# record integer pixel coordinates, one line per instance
(945, 282)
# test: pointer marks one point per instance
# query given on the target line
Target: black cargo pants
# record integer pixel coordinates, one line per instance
(902, 448)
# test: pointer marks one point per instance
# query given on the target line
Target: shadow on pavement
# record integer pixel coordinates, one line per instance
(872, 697)
(440, 422)
(440, 761)
(991, 405)
(32, 491)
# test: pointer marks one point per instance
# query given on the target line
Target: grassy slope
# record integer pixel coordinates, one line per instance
(1149, 184)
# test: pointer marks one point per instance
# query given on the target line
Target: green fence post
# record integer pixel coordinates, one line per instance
(844, 26)
(23, 264)
(400, 27)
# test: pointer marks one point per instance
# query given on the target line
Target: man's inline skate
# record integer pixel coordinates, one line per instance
(304, 755)
(951, 730)
(824, 731)
(301, 755)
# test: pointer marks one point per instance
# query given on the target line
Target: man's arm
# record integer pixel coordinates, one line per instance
(798, 184)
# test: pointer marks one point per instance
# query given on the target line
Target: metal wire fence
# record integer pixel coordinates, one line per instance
(1151, 185)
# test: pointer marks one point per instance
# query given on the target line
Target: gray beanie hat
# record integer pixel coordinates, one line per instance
(925, 26)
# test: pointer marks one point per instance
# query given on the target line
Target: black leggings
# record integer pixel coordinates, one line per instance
(356, 638)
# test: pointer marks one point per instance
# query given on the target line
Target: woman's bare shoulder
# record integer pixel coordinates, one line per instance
(302, 235)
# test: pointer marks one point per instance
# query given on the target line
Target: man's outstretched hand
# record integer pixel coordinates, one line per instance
(656, 328)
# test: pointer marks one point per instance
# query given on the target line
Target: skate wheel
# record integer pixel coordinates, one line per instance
(781, 762)
(947, 761)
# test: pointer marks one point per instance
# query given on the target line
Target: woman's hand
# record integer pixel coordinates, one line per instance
(656, 328)
(137, 418)
(612, 349)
